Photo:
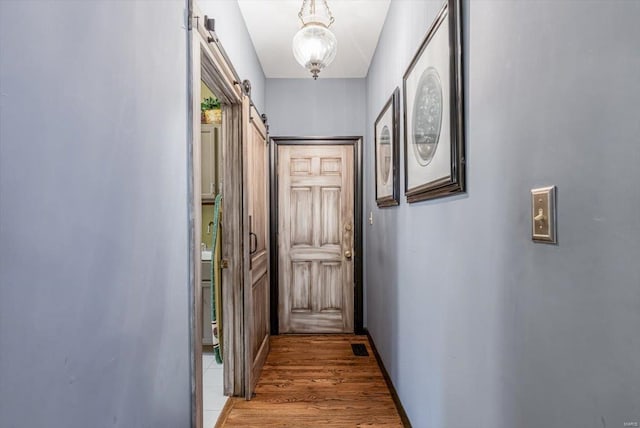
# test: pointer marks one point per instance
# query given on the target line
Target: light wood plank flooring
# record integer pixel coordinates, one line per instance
(316, 381)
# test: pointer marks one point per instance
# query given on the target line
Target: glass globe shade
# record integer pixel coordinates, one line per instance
(314, 47)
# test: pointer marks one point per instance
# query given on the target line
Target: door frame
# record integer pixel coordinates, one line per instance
(356, 142)
(207, 61)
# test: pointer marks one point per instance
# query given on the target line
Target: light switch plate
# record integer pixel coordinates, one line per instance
(543, 215)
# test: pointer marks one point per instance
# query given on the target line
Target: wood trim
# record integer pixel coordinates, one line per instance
(273, 237)
(232, 253)
(356, 142)
(230, 89)
(224, 413)
(208, 62)
(358, 295)
(194, 214)
(227, 83)
(256, 119)
(394, 394)
(319, 140)
(244, 238)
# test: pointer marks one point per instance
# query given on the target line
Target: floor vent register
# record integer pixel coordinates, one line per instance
(359, 349)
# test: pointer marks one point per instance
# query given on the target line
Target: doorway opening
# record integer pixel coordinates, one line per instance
(214, 110)
(213, 398)
(225, 283)
(316, 235)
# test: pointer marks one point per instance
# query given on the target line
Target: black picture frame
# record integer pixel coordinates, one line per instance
(434, 146)
(387, 152)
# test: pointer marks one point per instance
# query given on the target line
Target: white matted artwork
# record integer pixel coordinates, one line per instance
(433, 113)
(387, 140)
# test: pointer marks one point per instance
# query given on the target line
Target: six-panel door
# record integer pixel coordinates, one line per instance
(315, 238)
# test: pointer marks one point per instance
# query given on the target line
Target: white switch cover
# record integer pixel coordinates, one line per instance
(370, 217)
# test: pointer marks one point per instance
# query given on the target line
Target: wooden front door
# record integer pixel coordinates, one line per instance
(315, 238)
(256, 286)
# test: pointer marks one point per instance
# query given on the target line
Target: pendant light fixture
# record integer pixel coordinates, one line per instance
(314, 45)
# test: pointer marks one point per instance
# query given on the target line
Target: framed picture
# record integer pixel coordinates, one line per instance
(433, 111)
(387, 141)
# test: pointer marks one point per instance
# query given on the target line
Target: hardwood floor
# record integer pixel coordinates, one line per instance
(316, 381)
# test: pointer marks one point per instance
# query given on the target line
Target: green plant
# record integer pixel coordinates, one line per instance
(209, 104)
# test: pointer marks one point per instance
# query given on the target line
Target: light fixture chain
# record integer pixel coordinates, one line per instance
(331, 18)
(304, 3)
(312, 10)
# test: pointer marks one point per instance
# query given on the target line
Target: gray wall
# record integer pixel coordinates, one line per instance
(323, 107)
(93, 214)
(478, 325)
(232, 32)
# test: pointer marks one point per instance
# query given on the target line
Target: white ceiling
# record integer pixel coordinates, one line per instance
(273, 23)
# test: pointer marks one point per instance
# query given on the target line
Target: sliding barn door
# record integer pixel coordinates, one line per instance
(256, 218)
(315, 238)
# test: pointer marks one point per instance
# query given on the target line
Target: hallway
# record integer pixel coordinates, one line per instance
(479, 322)
(312, 381)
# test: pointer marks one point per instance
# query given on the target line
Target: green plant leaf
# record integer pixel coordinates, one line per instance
(209, 103)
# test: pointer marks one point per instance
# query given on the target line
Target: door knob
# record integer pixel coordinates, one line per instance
(347, 254)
